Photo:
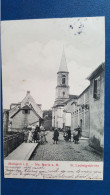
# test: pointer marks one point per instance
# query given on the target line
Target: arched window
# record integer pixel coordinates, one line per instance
(63, 79)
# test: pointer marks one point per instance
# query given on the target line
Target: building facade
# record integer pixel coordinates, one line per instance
(96, 104)
(62, 94)
(80, 115)
(87, 110)
(25, 113)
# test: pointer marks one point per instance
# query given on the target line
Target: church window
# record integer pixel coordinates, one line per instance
(63, 93)
(63, 79)
(96, 89)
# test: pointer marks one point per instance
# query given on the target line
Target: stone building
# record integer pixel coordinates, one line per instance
(79, 112)
(25, 113)
(96, 107)
(87, 110)
(62, 94)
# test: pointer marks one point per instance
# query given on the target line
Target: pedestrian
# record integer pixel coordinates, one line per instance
(30, 136)
(55, 136)
(69, 135)
(35, 134)
(76, 135)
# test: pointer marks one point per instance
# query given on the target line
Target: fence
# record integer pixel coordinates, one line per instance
(11, 142)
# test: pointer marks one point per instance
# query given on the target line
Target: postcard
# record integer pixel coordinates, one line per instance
(53, 73)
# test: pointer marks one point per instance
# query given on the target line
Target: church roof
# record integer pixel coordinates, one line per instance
(73, 96)
(63, 64)
(96, 71)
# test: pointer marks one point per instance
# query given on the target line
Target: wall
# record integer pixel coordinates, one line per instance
(57, 117)
(20, 119)
(69, 109)
(79, 114)
(29, 100)
(60, 90)
(97, 116)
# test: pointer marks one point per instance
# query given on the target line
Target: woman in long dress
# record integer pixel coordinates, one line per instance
(55, 136)
(30, 137)
(76, 135)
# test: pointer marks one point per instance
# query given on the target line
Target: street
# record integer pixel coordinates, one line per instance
(65, 151)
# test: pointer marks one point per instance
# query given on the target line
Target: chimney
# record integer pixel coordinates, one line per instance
(28, 92)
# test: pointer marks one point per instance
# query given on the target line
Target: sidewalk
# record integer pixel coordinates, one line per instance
(22, 152)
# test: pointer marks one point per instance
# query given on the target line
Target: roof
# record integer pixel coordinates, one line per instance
(63, 64)
(99, 69)
(25, 108)
(27, 101)
(5, 110)
(73, 96)
(84, 91)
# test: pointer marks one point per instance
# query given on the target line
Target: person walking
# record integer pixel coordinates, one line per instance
(69, 135)
(35, 134)
(55, 136)
(30, 137)
(76, 135)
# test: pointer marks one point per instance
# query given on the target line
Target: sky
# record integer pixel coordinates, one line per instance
(32, 50)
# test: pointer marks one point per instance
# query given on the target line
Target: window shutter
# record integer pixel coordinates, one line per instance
(95, 89)
(98, 87)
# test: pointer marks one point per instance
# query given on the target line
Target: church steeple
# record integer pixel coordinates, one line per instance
(62, 89)
(63, 64)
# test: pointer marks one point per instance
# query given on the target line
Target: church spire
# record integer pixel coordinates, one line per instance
(63, 64)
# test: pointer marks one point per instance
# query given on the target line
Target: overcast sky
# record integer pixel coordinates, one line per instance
(32, 50)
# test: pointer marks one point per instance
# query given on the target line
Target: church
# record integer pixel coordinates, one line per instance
(62, 96)
(85, 110)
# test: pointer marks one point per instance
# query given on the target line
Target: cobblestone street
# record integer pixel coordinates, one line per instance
(65, 151)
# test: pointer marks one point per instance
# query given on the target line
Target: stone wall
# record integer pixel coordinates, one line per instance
(97, 116)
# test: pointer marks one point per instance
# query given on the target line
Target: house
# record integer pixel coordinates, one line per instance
(96, 106)
(27, 112)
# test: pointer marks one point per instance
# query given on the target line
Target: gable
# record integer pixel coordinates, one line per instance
(28, 100)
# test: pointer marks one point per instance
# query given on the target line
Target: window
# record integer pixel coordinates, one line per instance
(63, 79)
(96, 90)
(63, 93)
(26, 111)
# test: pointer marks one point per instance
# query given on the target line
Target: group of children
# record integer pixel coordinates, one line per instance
(76, 135)
(35, 134)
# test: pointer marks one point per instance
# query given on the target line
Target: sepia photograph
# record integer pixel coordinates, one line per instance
(53, 89)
